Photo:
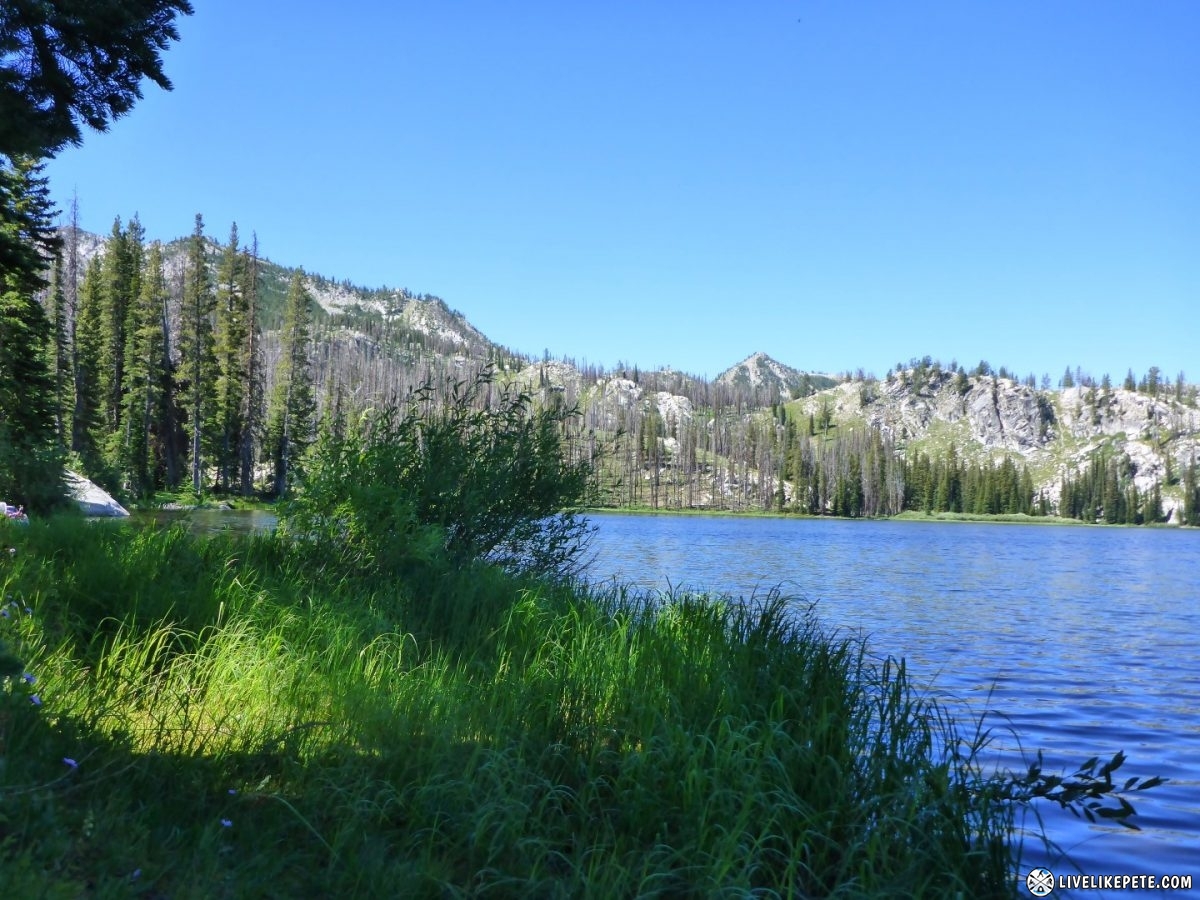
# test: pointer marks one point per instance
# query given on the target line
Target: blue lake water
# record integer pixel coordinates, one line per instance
(1085, 640)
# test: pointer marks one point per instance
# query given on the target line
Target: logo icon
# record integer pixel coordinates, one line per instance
(1040, 882)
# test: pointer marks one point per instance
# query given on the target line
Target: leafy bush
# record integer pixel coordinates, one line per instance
(479, 475)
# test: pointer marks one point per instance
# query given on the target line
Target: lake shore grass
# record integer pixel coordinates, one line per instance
(188, 499)
(1001, 519)
(201, 716)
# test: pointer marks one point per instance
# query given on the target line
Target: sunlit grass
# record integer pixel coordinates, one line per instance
(243, 723)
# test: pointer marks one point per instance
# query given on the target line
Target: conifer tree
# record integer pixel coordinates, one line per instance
(290, 417)
(252, 395)
(229, 336)
(122, 281)
(85, 417)
(59, 359)
(141, 451)
(30, 465)
(197, 365)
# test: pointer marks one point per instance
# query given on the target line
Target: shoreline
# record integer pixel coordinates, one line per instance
(906, 516)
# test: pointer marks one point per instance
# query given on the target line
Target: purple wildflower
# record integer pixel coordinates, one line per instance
(29, 679)
(226, 823)
(70, 762)
(35, 700)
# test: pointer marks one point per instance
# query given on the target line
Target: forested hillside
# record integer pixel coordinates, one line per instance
(201, 363)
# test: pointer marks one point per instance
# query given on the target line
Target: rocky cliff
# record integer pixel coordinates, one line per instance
(1055, 432)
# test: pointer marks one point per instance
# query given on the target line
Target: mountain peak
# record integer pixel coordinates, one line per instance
(759, 371)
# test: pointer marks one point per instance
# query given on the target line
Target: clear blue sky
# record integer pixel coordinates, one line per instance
(836, 184)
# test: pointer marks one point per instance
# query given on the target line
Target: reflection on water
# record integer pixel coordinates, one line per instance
(210, 521)
(1082, 641)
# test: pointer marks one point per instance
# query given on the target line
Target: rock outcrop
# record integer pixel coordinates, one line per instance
(93, 499)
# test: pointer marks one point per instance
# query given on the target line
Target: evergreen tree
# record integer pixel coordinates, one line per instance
(290, 416)
(60, 353)
(85, 418)
(122, 281)
(30, 462)
(80, 62)
(252, 395)
(230, 338)
(1191, 494)
(1154, 509)
(197, 364)
(144, 393)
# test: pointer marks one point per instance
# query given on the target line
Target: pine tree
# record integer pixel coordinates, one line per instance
(30, 463)
(143, 390)
(197, 365)
(252, 395)
(1191, 494)
(230, 352)
(290, 417)
(86, 418)
(122, 281)
(60, 352)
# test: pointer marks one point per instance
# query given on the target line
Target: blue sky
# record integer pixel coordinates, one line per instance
(840, 185)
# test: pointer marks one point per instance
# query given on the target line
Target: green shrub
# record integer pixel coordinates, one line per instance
(480, 476)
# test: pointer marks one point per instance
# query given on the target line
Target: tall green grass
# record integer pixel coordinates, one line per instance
(246, 722)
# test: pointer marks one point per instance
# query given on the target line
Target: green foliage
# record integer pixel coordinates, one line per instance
(123, 264)
(1083, 792)
(233, 321)
(456, 481)
(1191, 495)
(1105, 492)
(77, 62)
(197, 361)
(145, 389)
(27, 239)
(30, 463)
(949, 484)
(291, 410)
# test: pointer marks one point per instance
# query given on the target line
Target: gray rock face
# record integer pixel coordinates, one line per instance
(1056, 432)
(1000, 413)
(93, 499)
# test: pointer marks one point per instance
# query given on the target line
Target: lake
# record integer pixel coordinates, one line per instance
(1085, 639)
